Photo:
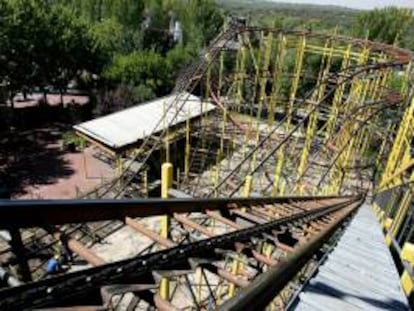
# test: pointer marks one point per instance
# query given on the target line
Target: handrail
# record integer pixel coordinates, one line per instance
(395, 211)
(29, 213)
(78, 285)
(269, 284)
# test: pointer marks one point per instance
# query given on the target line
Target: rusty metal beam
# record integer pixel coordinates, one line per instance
(87, 283)
(189, 223)
(81, 250)
(249, 217)
(228, 276)
(164, 305)
(269, 284)
(147, 232)
(85, 253)
(223, 220)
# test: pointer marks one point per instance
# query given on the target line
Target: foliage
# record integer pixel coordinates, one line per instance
(121, 97)
(388, 25)
(139, 68)
(69, 138)
(107, 36)
(292, 16)
(42, 46)
(101, 43)
(114, 46)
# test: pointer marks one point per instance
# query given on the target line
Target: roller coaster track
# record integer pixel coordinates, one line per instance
(247, 228)
(193, 74)
(187, 81)
(255, 247)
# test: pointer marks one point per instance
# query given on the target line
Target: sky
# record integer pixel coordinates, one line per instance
(356, 4)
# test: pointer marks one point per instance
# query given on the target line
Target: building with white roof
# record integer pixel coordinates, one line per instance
(125, 128)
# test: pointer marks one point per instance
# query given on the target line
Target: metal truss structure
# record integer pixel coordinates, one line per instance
(307, 125)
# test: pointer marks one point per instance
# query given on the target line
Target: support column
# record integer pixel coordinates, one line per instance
(248, 186)
(166, 183)
(18, 250)
(187, 154)
(407, 254)
(237, 265)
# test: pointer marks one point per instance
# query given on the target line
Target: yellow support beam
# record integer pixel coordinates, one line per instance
(404, 135)
(237, 265)
(166, 184)
(248, 186)
(407, 254)
(277, 78)
(401, 214)
(300, 53)
(397, 175)
(187, 151)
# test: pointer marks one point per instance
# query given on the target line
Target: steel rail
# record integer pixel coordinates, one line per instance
(190, 78)
(188, 85)
(358, 71)
(330, 166)
(31, 213)
(360, 126)
(269, 284)
(86, 284)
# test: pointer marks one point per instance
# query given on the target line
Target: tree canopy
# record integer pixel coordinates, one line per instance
(139, 44)
(389, 25)
(42, 46)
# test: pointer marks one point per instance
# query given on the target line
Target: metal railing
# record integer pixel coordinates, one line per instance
(395, 210)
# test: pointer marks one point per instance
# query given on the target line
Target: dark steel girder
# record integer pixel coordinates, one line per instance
(270, 283)
(36, 213)
(73, 287)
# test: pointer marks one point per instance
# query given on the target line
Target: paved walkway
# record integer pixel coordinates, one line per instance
(81, 171)
(359, 274)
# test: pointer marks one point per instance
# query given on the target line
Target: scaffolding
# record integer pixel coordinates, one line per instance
(297, 114)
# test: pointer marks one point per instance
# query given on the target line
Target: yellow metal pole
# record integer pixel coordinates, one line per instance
(407, 254)
(277, 78)
(278, 171)
(237, 265)
(401, 214)
(240, 77)
(220, 80)
(187, 147)
(400, 144)
(166, 180)
(119, 169)
(166, 183)
(248, 186)
(338, 96)
(217, 172)
(296, 78)
(267, 45)
(208, 77)
(166, 139)
(146, 183)
(223, 131)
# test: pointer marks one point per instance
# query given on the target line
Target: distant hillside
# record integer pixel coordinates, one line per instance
(263, 4)
(288, 15)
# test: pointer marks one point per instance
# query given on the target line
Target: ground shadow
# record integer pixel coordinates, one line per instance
(32, 157)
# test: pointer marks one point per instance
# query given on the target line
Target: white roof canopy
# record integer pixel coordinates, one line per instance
(127, 126)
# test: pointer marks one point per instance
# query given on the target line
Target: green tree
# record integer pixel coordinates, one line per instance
(121, 97)
(140, 68)
(43, 46)
(386, 25)
(107, 36)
